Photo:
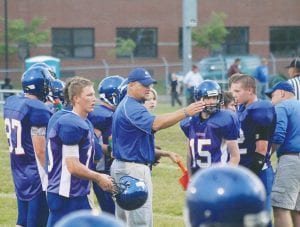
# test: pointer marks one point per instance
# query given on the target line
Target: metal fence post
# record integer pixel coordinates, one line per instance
(106, 67)
(273, 59)
(166, 74)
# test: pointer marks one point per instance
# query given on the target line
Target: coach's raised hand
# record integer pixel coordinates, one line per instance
(194, 108)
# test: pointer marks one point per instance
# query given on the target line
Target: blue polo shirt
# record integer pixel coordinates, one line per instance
(132, 135)
(287, 132)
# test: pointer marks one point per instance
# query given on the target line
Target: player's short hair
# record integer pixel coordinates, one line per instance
(246, 81)
(75, 86)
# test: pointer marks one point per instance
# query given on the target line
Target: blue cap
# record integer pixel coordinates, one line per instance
(141, 75)
(283, 85)
(294, 64)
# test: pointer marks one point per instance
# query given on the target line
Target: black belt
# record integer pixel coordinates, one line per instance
(290, 153)
(143, 163)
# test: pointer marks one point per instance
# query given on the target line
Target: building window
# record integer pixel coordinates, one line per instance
(284, 41)
(145, 40)
(73, 42)
(237, 41)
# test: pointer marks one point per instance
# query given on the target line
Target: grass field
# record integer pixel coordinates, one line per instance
(168, 198)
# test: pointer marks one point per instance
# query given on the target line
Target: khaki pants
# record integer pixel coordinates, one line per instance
(143, 216)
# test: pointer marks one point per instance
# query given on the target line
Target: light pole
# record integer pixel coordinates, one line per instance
(5, 39)
(189, 20)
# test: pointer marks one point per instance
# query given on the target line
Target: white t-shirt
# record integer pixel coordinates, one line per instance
(192, 79)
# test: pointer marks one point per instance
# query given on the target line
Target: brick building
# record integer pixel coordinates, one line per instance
(83, 33)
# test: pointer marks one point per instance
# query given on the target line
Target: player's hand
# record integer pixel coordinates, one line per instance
(195, 108)
(106, 182)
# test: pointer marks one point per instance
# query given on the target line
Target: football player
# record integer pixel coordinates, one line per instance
(212, 134)
(101, 118)
(26, 118)
(86, 218)
(226, 196)
(257, 119)
(71, 151)
(57, 95)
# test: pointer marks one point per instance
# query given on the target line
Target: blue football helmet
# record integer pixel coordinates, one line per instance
(209, 88)
(108, 89)
(37, 81)
(44, 65)
(88, 218)
(131, 193)
(226, 196)
(123, 90)
(57, 89)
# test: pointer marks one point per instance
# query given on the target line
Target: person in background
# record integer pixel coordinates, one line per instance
(229, 101)
(133, 145)
(192, 78)
(151, 103)
(234, 68)
(294, 74)
(286, 187)
(261, 74)
(174, 90)
(7, 85)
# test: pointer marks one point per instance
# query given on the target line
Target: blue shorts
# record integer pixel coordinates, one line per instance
(60, 206)
(33, 212)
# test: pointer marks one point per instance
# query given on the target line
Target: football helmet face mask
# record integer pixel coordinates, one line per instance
(57, 89)
(88, 218)
(37, 81)
(207, 89)
(131, 193)
(226, 196)
(108, 89)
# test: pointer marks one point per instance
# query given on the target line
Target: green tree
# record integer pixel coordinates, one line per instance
(22, 34)
(212, 34)
(125, 48)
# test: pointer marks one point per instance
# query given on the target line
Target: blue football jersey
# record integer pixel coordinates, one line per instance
(70, 129)
(207, 138)
(54, 118)
(258, 122)
(101, 119)
(20, 115)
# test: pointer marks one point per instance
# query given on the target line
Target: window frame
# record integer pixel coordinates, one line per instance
(289, 46)
(71, 44)
(140, 47)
